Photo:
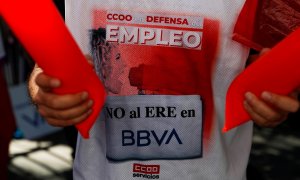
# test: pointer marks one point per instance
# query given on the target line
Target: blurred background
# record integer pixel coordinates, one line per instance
(38, 151)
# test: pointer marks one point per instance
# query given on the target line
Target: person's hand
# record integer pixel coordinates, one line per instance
(270, 109)
(60, 110)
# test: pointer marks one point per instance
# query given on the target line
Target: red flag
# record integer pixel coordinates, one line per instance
(277, 71)
(40, 28)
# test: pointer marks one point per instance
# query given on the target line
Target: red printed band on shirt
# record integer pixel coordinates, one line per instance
(195, 22)
(154, 29)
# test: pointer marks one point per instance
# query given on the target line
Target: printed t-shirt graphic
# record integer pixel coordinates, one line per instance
(157, 67)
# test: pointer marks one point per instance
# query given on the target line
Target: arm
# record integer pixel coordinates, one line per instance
(58, 110)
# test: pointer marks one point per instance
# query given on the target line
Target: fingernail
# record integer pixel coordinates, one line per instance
(55, 83)
(266, 95)
(90, 103)
(84, 95)
(249, 96)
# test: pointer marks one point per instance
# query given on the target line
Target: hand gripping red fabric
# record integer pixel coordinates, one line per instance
(277, 71)
(41, 30)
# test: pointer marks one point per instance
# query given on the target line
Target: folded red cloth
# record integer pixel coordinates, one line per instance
(40, 28)
(264, 23)
(277, 71)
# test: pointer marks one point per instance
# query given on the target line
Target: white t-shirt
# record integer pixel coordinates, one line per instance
(166, 66)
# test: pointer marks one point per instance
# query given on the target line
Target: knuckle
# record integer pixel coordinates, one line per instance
(63, 115)
(296, 107)
(268, 124)
(69, 122)
(257, 108)
(272, 117)
(87, 106)
(51, 122)
(67, 114)
(57, 123)
(73, 99)
(271, 125)
(53, 102)
(276, 100)
(38, 98)
(39, 78)
(60, 116)
(79, 119)
(284, 116)
(260, 123)
(275, 124)
(41, 112)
